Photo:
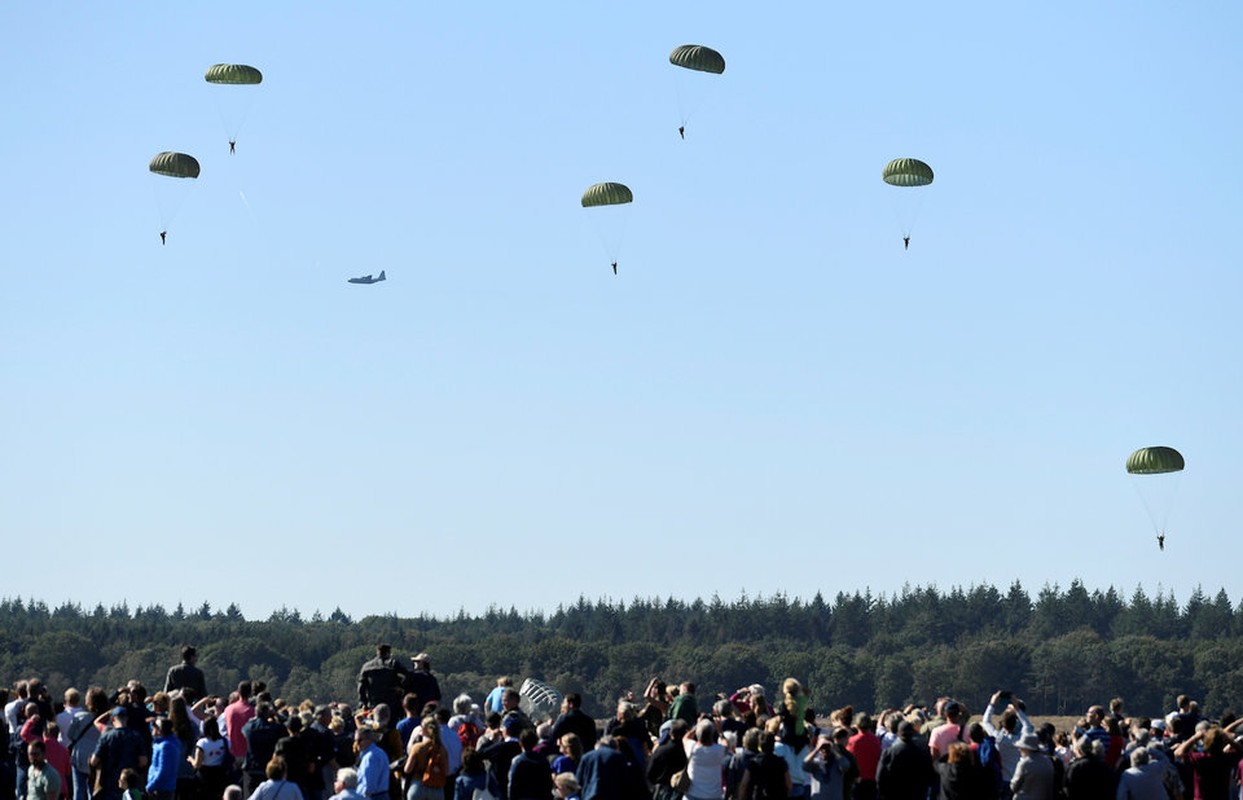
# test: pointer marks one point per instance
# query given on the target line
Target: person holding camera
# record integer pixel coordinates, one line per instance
(1015, 726)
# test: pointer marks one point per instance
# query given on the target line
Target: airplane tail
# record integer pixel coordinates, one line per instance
(381, 278)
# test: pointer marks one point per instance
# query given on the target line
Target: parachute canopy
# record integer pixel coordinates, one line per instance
(698, 58)
(1154, 461)
(907, 172)
(607, 194)
(175, 165)
(233, 74)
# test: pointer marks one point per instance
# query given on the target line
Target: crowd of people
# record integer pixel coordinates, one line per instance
(403, 741)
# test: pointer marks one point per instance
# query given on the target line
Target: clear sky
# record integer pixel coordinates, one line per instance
(771, 395)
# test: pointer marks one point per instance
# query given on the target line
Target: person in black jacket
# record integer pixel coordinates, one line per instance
(187, 677)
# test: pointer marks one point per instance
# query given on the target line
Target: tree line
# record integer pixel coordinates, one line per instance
(1062, 650)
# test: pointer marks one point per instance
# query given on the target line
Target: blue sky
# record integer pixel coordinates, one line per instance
(771, 396)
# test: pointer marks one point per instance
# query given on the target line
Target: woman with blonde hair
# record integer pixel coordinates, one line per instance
(571, 753)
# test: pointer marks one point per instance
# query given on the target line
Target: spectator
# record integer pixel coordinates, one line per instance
(574, 720)
(187, 678)
(120, 747)
(276, 787)
(380, 679)
(1033, 775)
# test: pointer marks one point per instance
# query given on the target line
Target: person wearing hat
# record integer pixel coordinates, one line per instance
(120, 748)
(1033, 777)
(500, 755)
(421, 682)
(381, 678)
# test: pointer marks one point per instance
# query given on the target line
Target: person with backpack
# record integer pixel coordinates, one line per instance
(988, 759)
(426, 768)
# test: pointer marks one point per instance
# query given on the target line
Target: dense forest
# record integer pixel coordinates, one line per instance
(1061, 650)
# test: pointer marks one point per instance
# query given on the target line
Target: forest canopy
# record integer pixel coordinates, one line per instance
(1061, 650)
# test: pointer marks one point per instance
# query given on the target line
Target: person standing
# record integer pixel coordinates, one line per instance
(380, 679)
(119, 748)
(187, 677)
(1033, 776)
(42, 780)
(373, 771)
(574, 720)
(421, 682)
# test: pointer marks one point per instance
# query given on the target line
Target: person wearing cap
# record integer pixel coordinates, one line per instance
(421, 682)
(380, 679)
(1033, 776)
(121, 747)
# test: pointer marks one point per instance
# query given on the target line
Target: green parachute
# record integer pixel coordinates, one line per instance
(234, 74)
(692, 89)
(907, 172)
(607, 194)
(233, 103)
(1158, 470)
(698, 58)
(175, 165)
(610, 225)
(170, 195)
(1155, 461)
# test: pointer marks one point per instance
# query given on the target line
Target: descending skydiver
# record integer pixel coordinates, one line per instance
(614, 267)
(1161, 541)
(906, 243)
(682, 131)
(163, 235)
(232, 146)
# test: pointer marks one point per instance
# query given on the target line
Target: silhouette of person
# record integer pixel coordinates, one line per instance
(163, 235)
(682, 131)
(614, 267)
(1161, 541)
(232, 146)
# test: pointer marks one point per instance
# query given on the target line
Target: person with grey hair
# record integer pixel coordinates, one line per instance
(1145, 780)
(466, 724)
(1088, 776)
(705, 757)
(232, 792)
(1033, 776)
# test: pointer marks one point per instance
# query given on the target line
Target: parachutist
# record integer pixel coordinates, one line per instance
(1161, 542)
(682, 131)
(614, 267)
(232, 146)
(163, 236)
(906, 243)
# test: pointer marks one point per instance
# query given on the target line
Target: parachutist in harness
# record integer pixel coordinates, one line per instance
(906, 243)
(163, 234)
(232, 146)
(682, 131)
(1161, 541)
(614, 267)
